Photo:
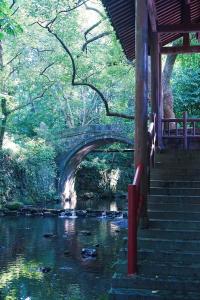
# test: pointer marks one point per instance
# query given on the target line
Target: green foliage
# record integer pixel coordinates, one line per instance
(29, 175)
(15, 205)
(9, 178)
(186, 90)
(40, 99)
(38, 161)
(8, 24)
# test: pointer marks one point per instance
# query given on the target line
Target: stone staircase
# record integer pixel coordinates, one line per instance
(169, 251)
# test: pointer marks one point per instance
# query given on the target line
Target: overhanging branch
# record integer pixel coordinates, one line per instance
(99, 36)
(75, 83)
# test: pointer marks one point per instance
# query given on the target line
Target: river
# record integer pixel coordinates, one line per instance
(34, 267)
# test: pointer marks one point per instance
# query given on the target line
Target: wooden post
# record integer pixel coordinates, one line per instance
(185, 130)
(155, 77)
(141, 102)
(160, 108)
(132, 229)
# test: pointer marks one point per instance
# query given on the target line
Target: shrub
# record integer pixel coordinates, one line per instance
(15, 205)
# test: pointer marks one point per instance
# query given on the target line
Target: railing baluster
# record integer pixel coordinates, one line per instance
(185, 130)
(168, 128)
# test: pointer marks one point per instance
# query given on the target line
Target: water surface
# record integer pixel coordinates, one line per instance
(24, 251)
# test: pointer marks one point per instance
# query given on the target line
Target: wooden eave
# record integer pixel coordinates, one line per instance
(172, 19)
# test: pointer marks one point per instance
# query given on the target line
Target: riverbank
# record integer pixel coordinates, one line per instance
(49, 212)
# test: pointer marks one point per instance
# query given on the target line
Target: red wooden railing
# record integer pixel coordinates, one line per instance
(181, 128)
(136, 199)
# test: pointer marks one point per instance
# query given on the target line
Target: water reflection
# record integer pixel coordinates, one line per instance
(24, 251)
(101, 204)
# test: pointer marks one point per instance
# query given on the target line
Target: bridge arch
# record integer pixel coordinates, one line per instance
(71, 159)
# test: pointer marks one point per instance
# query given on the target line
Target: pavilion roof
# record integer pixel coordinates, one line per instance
(165, 12)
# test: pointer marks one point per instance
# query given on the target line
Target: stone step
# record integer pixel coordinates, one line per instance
(164, 176)
(180, 165)
(174, 215)
(176, 207)
(178, 155)
(177, 171)
(174, 224)
(156, 283)
(175, 184)
(159, 256)
(176, 269)
(158, 244)
(173, 235)
(169, 199)
(140, 294)
(175, 191)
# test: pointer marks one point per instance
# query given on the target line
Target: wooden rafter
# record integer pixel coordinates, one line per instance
(152, 14)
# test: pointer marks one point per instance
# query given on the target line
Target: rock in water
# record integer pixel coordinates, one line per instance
(45, 269)
(49, 235)
(89, 252)
(85, 232)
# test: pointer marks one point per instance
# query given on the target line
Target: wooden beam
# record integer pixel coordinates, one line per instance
(181, 49)
(186, 39)
(152, 14)
(178, 28)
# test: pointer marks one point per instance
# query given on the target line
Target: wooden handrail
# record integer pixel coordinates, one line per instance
(136, 199)
(187, 128)
(138, 175)
(177, 120)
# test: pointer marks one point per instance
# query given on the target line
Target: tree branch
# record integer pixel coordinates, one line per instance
(12, 59)
(46, 68)
(42, 50)
(29, 103)
(96, 10)
(50, 23)
(13, 3)
(91, 28)
(74, 83)
(15, 11)
(99, 36)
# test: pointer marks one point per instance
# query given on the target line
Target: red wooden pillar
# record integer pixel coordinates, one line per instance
(141, 99)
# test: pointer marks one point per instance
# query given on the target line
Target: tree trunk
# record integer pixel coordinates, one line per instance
(168, 100)
(3, 105)
(3, 121)
(1, 57)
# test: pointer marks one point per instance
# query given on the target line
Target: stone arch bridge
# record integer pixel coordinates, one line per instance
(76, 144)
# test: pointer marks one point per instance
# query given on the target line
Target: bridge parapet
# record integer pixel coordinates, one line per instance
(68, 139)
